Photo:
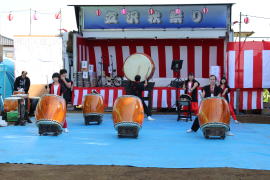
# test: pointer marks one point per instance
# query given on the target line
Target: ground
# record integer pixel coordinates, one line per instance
(44, 172)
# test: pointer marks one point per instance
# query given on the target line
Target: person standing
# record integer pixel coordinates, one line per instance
(66, 85)
(225, 91)
(136, 89)
(22, 83)
(57, 89)
(191, 88)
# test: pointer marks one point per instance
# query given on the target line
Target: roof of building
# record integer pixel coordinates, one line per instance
(5, 41)
(144, 2)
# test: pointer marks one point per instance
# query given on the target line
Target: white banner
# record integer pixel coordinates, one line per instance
(39, 56)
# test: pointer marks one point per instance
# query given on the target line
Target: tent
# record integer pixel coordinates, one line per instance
(6, 78)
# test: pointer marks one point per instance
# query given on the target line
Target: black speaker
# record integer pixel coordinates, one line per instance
(177, 65)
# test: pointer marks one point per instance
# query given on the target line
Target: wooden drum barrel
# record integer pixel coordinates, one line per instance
(128, 115)
(50, 114)
(93, 108)
(214, 117)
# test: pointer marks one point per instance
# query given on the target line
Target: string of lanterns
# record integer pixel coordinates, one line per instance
(57, 15)
(151, 11)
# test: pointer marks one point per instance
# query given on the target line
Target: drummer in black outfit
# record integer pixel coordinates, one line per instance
(136, 89)
(66, 84)
(210, 90)
(191, 88)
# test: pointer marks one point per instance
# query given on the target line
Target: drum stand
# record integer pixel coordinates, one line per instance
(99, 81)
(92, 119)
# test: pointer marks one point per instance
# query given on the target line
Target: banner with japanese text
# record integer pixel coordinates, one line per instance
(132, 17)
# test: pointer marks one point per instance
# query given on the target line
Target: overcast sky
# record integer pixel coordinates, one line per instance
(47, 24)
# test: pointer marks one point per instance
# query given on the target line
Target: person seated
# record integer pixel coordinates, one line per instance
(210, 90)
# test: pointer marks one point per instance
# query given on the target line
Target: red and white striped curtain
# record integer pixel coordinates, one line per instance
(249, 67)
(198, 54)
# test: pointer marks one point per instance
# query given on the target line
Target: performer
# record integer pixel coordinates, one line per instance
(22, 83)
(66, 85)
(136, 89)
(191, 88)
(56, 88)
(210, 90)
(225, 91)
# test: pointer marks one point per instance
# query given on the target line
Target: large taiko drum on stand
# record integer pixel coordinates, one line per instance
(128, 115)
(139, 64)
(26, 102)
(14, 110)
(93, 108)
(50, 114)
(214, 117)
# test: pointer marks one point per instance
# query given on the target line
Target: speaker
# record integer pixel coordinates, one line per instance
(177, 65)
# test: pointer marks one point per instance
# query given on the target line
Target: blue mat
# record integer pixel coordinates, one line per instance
(161, 143)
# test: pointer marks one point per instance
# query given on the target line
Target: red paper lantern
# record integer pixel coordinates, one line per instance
(205, 10)
(124, 11)
(246, 20)
(98, 12)
(177, 11)
(151, 11)
(10, 17)
(35, 16)
(58, 15)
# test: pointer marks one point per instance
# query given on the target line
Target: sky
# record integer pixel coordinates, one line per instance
(48, 25)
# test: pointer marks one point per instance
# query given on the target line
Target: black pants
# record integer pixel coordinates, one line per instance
(145, 108)
(196, 125)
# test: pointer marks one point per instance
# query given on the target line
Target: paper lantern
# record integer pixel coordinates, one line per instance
(124, 11)
(151, 11)
(246, 20)
(98, 12)
(35, 16)
(58, 15)
(10, 17)
(205, 10)
(177, 11)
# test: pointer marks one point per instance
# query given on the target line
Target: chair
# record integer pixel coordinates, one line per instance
(184, 107)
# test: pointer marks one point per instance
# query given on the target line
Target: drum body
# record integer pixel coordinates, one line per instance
(33, 104)
(214, 117)
(128, 115)
(93, 108)
(13, 109)
(50, 114)
(139, 64)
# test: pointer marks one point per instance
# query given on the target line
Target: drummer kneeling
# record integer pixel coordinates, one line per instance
(210, 90)
(136, 89)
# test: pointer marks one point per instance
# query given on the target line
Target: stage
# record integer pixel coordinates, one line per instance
(162, 143)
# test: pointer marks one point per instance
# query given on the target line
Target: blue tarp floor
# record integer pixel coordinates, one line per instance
(161, 143)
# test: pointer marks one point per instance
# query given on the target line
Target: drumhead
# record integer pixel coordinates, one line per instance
(139, 64)
(13, 98)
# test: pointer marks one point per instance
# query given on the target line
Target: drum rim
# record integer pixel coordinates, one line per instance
(151, 60)
(13, 97)
(213, 124)
(215, 97)
(90, 94)
(123, 96)
(190, 98)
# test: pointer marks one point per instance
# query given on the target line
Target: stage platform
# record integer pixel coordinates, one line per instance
(161, 143)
